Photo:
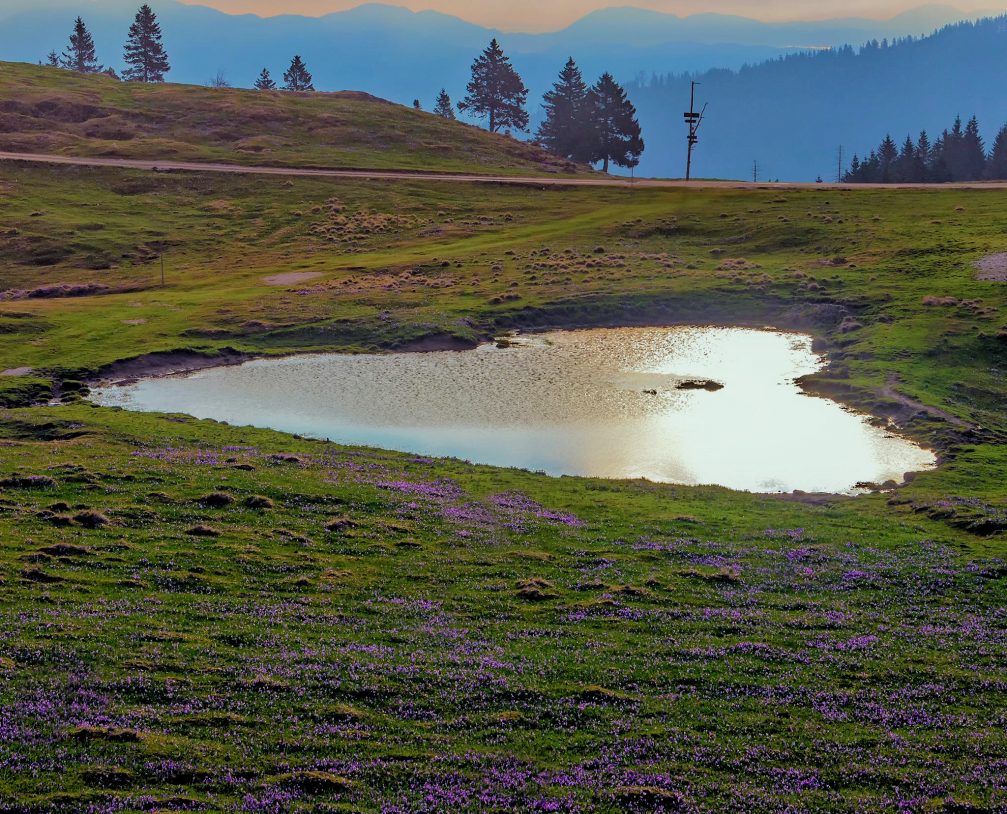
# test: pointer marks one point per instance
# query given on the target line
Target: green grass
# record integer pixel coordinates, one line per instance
(388, 632)
(48, 110)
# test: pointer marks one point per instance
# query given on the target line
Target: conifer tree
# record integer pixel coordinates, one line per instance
(617, 138)
(567, 128)
(496, 91)
(79, 55)
(996, 167)
(265, 81)
(442, 107)
(53, 60)
(973, 152)
(888, 153)
(296, 77)
(417, 105)
(144, 53)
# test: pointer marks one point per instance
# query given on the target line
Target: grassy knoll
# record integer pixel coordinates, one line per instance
(48, 110)
(203, 617)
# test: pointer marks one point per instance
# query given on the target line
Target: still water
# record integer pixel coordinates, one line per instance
(600, 402)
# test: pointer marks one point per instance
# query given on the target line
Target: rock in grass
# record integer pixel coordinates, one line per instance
(340, 525)
(65, 550)
(16, 481)
(105, 733)
(216, 500)
(40, 576)
(91, 519)
(202, 531)
(536, 589)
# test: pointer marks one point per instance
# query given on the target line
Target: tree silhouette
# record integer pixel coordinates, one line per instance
(144, 54)
(296, 77)
(567, 127)
(442, 107)
(996, 167)
(265, 81)
(496, 92)
(53, 60)
(617, 137)
(973, 152)
(79, 55)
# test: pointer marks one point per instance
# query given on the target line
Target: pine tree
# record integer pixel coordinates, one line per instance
(996, 166)
(296, 77)
(80, 55)
(53, 60)
(443, 107)
(905, 165)
(265, 81)
(973, 152)
(496, 92)
(417, 105)
(616, 131)
(567, 128)
(144, 54)
(888, 153)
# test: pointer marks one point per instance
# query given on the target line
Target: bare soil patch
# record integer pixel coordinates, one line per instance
(291, 277)
(993, 267)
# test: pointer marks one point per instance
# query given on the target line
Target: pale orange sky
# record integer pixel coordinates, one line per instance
(545, 15)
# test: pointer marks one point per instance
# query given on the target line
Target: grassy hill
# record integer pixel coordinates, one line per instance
(202, 617)
(49, 110)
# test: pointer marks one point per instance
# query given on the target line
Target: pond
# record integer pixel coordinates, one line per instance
(605, 402)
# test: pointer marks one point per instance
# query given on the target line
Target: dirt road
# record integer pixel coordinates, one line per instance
(409, 175)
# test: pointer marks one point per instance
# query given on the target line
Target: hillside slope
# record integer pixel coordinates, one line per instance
(50, 110)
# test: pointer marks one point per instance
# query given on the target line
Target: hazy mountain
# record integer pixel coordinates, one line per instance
(791, 115)
(402, 55)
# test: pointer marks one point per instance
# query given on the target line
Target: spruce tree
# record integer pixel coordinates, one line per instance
(53, 60)
(144, 54)
(996, 167)
(296, 77)
(496, 92)
(443, 107)
(973, 152)
(79, 55)
(567, 128)
(888, 154)
(616, 131)
(265, 81)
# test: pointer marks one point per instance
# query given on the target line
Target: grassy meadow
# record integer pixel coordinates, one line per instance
(199, 617)
(48, 110)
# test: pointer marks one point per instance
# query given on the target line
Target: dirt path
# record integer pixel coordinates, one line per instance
(407, 175)
(992, 267)
(889, 391)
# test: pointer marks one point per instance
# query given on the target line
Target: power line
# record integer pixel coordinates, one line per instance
(693, 120)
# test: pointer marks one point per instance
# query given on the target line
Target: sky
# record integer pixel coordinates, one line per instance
(546, 15)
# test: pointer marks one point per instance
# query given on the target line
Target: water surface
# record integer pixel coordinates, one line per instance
(568, 402)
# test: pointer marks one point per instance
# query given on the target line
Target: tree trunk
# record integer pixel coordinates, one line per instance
(605, 168)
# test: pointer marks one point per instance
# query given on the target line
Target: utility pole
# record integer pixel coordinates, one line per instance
(693, 120)
(839, 166)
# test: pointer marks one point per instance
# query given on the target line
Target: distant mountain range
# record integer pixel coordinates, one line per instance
(402, 55)
(790, 116)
